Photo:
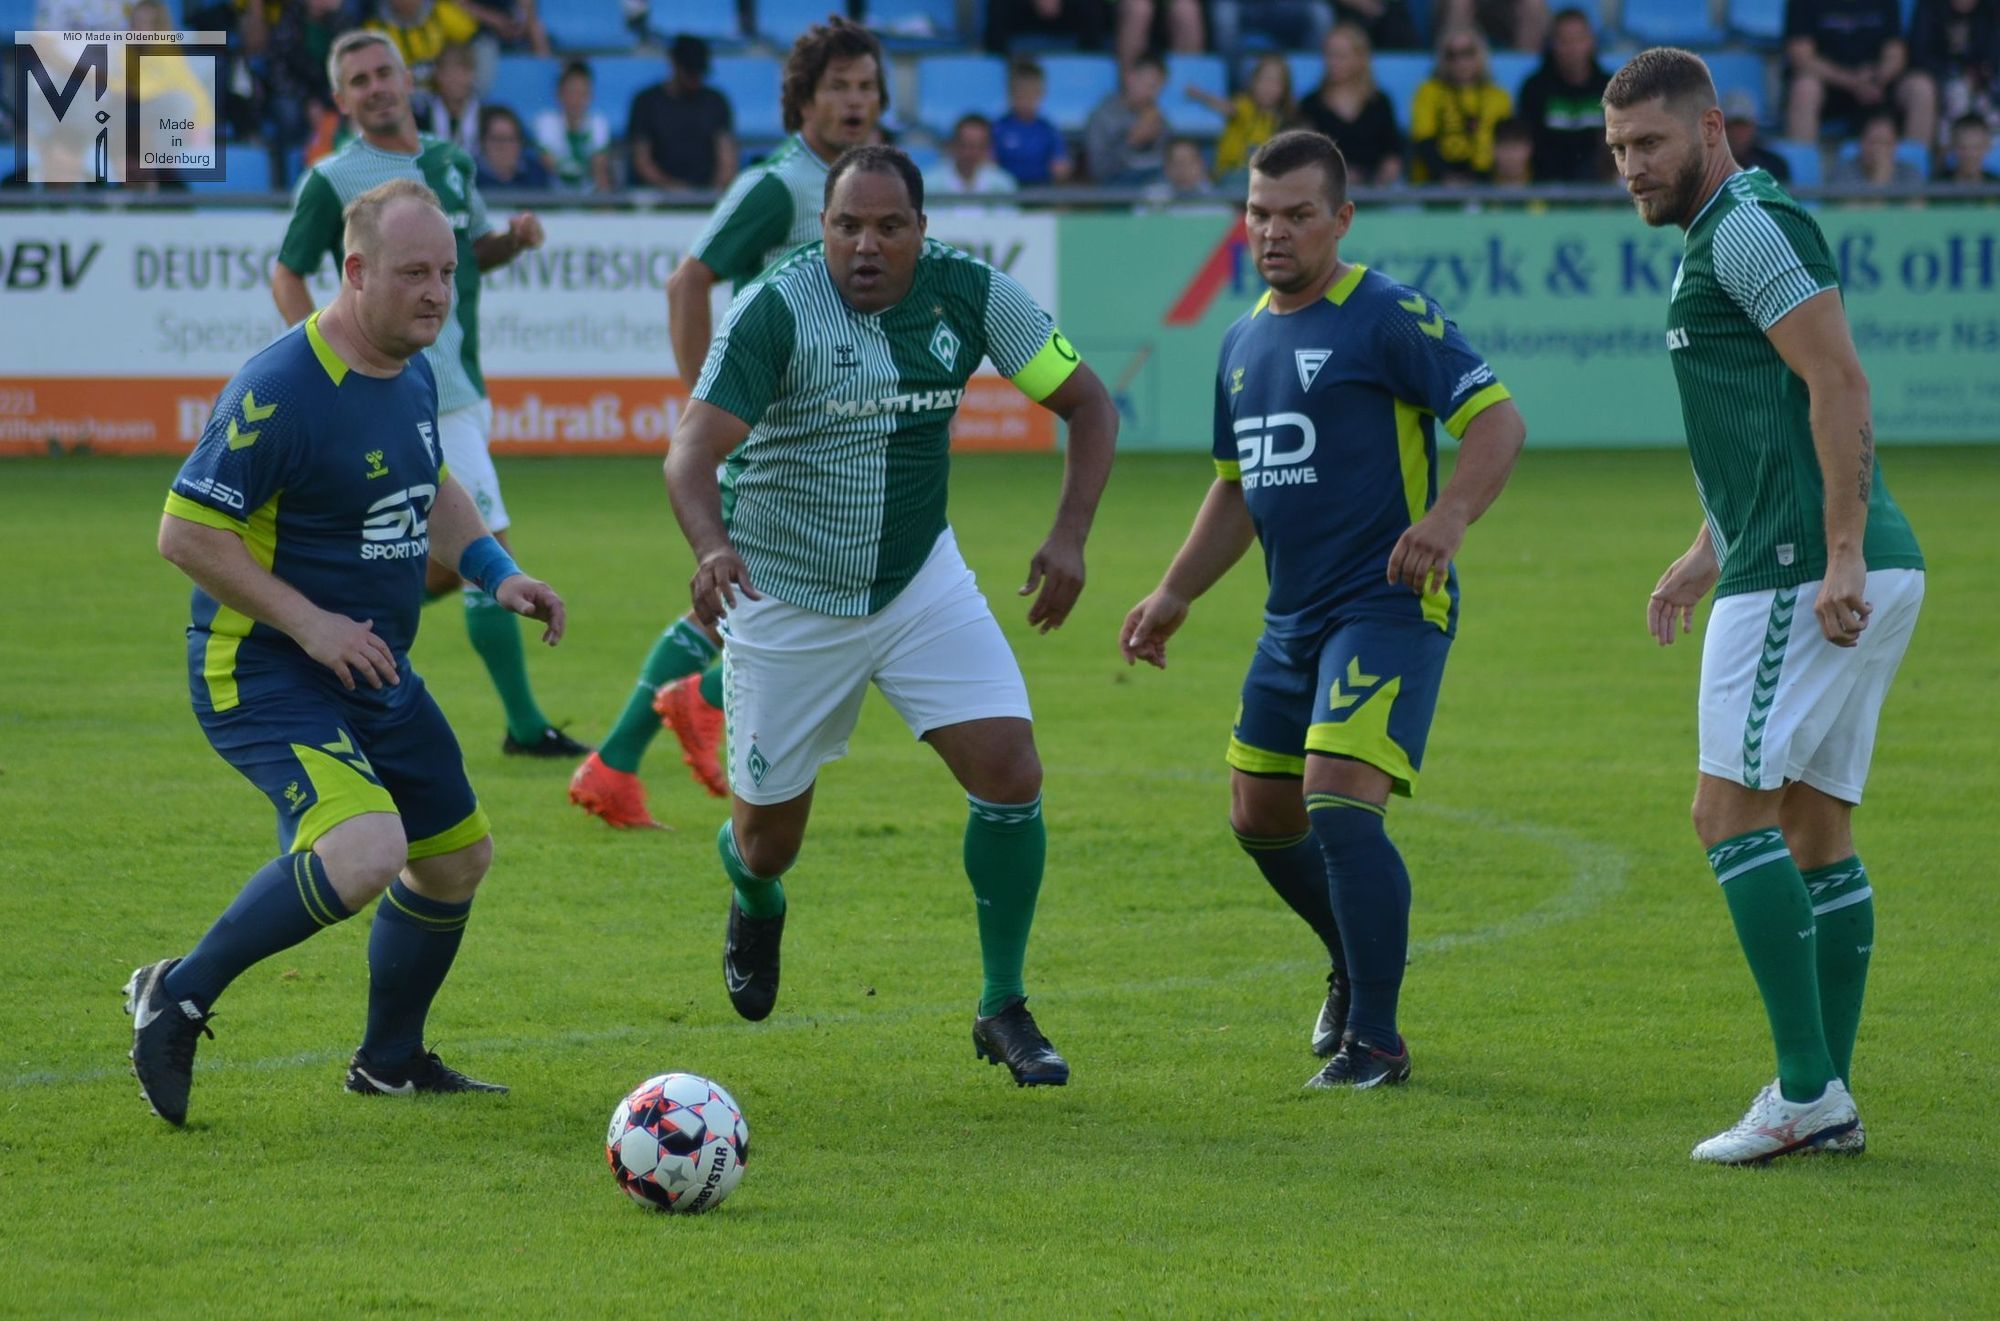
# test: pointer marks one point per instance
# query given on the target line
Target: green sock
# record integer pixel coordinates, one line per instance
(1005, 846)
(496, 635)
(1774, 924)
(711, 682)
(757, 896)
(1844, 909)
(681, 650)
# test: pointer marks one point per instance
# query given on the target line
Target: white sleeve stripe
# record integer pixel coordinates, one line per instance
(1016, 326)
(1758, 266)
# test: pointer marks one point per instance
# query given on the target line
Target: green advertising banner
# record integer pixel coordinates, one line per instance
(1569, 306)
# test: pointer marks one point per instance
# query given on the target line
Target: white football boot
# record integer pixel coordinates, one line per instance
(1773, 1126)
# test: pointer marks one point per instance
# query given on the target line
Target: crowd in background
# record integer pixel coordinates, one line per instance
(1890, 102)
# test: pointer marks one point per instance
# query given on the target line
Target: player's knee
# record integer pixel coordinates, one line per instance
(767, 853)
(363, 855)
(1017, 779)
(453, 877)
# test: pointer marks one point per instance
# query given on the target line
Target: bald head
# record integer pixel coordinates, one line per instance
(390, 216)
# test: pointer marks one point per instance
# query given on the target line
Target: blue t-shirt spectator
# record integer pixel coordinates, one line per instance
(1027, 148)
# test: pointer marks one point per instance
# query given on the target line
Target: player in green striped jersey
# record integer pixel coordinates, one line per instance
(1776, 409)
(372, 87)
(834, 98)
(827, 558)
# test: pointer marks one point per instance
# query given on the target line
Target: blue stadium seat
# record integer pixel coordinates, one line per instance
(1398, 75)
(1803, 157)
(1076, 84)
(1185, 115)
(6, 155)
(1670, 23)
(15, 16)
(751, 82)
(526, 84)
(1912, 153)
(952, 85)
(1739, 71)
(713, 19)
(1761, 21)
(1510, 68)
(619, 79)
(917, 24)
(587, 25)
(781, 21)
(246, 169)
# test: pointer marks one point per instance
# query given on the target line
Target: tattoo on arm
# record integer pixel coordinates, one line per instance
(1867, 474)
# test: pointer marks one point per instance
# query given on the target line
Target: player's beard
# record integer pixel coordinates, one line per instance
(1675, 204)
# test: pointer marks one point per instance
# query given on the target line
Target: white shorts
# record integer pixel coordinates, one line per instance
(793, 679)
(1781, 703)
(462, 435)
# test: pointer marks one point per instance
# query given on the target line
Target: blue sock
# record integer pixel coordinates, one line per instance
(1296, 868)
(287, 900)
(410, 950)
(1370, 891)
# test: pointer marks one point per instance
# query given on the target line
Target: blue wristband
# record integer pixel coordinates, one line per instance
(487, 563)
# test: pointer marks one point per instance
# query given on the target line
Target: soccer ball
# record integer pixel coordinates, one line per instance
(677, 1142)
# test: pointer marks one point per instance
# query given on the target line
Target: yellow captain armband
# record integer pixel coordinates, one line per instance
(1047, 370)
(1229, 470)
(1473, 407)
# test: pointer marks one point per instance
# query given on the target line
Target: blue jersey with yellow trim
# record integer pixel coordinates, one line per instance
(1326, 417)
(328, 475)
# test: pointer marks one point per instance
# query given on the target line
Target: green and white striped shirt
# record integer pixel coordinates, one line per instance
(767, 211)
(445, 169)
(1753, 255)
(837, 495)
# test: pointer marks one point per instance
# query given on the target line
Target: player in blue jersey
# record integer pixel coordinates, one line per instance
(1326, 400)
(306, 517)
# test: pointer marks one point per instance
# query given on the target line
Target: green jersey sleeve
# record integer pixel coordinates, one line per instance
(315, 226)
(749, 355)
(1022, 339)
(753, 217)
(1769, 261)
(479, 221)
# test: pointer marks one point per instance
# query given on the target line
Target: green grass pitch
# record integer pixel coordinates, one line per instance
(1577, 1007)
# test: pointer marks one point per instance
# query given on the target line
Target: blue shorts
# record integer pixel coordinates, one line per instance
(322, 760)
(1367, 691)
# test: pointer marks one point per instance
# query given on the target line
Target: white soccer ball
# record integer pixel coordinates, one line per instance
(678, 1142)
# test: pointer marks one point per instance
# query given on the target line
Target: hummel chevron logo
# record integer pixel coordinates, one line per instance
(1309, 362)
(251, 413)
(1416, 306)
(1340, 699)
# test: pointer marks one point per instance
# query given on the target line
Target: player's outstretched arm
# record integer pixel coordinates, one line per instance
(1057, 568)
(289, 292)
(221, 565)
(1813, 340)
(1222, 532)
(461, 543)
(1486, 454)
(1681, 588)
(703, 439)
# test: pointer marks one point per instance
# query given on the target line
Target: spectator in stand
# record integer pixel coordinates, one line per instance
(681, 133)
(1513, 154)
(1562, 103)
(1149, 25)
(574, 139)
(967, 165)
(1387, 23)
(1185, 178)
(1083, 20)
(1253, 115)
(1876, 165)
(421, 29)
(1957, 43)
(451, 111)
(1848, 59)
(1026, 144)
(1516, 24)
(1348, 107)
(1455, 111)
(1739, 121)
(1971, 145)
(504, 160)
(1286, 24)
(1125, 139)
(294, 51)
